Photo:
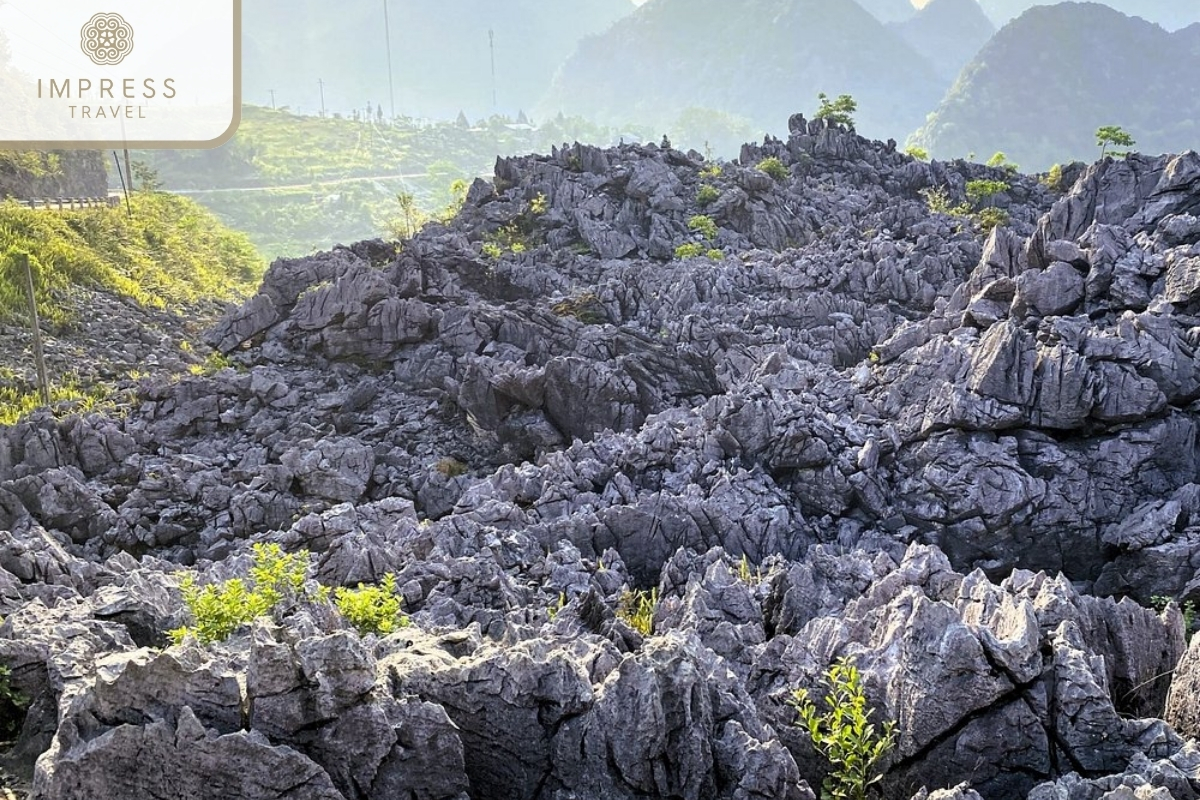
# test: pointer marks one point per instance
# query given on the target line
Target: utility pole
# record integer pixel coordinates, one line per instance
(38, 356)
(272, 91)
(492, 44)
(321, 83)
(124, 185)
(387, 32)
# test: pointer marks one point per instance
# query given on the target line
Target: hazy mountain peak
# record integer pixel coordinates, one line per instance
(948, 33)
(762, 64)
(1087, 62)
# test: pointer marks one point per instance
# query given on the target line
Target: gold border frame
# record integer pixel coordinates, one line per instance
(138, 144)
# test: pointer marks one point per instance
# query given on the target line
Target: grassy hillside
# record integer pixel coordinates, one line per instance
(170, 253)
(297, 183)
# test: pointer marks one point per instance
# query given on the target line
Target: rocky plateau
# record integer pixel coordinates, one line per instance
(965, 460)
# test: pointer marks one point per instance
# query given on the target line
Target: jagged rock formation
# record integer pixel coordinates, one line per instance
(1088, 51)
(762, 63)
(895, 420)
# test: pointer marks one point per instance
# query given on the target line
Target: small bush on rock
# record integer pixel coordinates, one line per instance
(773, 167)
(844, 733)
(372, 609)
(219, 609)
(13, 705)
(689, 250)
(637, 609)
(704, 226)
(707, 195)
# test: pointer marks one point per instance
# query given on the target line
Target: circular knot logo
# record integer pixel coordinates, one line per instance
(107, 39)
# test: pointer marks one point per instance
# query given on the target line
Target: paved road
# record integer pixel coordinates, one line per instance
(310, 184)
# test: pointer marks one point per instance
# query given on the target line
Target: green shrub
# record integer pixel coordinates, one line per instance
(1000, 161)
(711, 172)
(706, 195)
(689, 250)
(937, 200)
(773, 167)
(715, 254)
(13, 706)
(452, 467)
(219, 609)
(704, 226)
(539, 205)
(491, 250)
(844, 733)
(1113, 135)
(839, 112)
(372, 609)
(919, 153)
(637, 609)
(748, 575)
(989, 218)
(981, 190)
(1053, 180)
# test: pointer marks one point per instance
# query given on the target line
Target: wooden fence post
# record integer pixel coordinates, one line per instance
(38, 356)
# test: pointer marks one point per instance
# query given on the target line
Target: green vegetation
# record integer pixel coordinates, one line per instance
(13, 706)
(1000, 161)
(981, 191)
(707, 194)
(751, 576)
(586, 308)
(172, 252)
(372, 609)
(773, 167)
(1113, 135)
(637, 609)
(1188, 610)
(704, 226)
(451, 467)
(298, 183)
(919, 153)
(219, 609)
(36, 163)
(711, 172)
(707, 228)
(937, 199)
(844, 733)
(839, 112)
(18, 399)
(988, 218)
(1053, 180)
(275, 583)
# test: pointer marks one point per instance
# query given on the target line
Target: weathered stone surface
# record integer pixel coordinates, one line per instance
(864, 431)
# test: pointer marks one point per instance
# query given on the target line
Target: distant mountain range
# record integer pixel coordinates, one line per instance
(441, 52)
(1042, 86)
(947, 33)
(1171, 14)
(761, 61)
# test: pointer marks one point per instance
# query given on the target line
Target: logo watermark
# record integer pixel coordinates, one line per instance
(107, 39)
(73, 73)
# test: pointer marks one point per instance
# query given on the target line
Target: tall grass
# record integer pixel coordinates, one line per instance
(172, 252)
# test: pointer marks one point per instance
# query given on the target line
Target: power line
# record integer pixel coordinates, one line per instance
(387, 32)
(321, 83)
(492, 45)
